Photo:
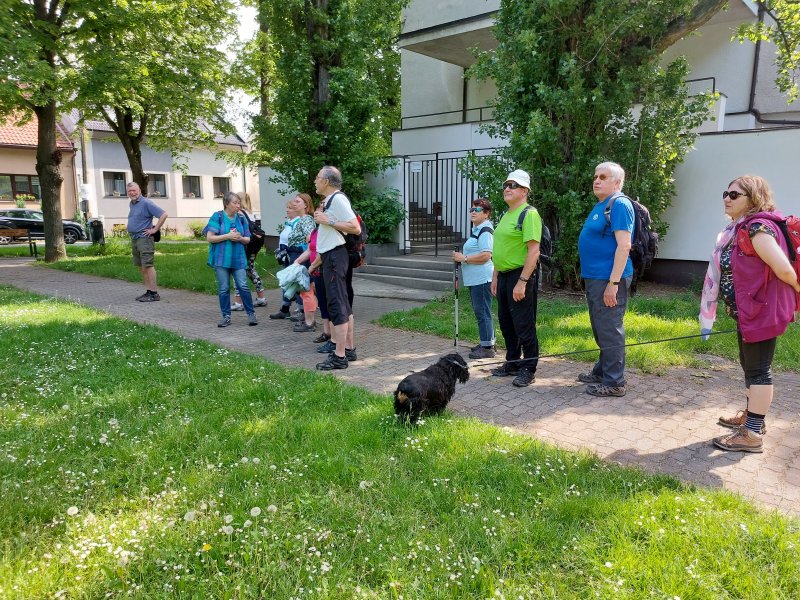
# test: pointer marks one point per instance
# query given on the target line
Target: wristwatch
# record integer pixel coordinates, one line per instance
(613, 282)
(525, 279)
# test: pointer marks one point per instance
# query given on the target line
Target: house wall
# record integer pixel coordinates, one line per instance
(273, 199)
(421, 14)
(22, 161)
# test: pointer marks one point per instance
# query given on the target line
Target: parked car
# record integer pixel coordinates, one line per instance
(33, 221)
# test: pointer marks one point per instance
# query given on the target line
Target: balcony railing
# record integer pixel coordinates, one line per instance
(450, 117)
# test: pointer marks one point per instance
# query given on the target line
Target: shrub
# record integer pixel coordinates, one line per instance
(382, 212)
(196, 227)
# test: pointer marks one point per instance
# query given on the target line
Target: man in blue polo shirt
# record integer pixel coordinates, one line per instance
(141, 228)
(604, 246)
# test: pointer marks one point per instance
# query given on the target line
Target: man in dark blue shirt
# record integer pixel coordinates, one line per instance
(141, 228)
(604, 246)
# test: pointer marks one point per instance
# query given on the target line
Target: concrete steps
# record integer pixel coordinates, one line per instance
(411, 272)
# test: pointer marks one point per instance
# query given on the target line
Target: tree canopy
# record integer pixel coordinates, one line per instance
(329, 86)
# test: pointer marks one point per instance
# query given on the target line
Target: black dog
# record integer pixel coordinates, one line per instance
(429, 390)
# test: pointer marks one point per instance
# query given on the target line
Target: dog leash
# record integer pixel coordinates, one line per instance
(574, 352)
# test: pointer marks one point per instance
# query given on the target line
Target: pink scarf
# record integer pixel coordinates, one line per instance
(708, 302)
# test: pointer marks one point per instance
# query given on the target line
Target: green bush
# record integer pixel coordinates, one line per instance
(382, 211)
(114, 246)
(196, 227)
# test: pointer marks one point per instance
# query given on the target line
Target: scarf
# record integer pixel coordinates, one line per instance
(708, 301)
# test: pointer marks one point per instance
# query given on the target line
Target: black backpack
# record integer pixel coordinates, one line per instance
(545, 244)
(644, 245)
(355, 244)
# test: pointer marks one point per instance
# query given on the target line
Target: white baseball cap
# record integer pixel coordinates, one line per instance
(521, 177)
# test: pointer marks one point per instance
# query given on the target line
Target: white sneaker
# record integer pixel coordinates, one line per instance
(261, 301)
(237, 306)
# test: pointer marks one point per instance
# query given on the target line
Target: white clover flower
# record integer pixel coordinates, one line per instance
(272, 508)
(609, 565)
(190, 516)
(256, 460)
(228, 518)
(72, 511)
(365, 484)
(325, 567)
(245, 460)
(255, 511)
(227, 530)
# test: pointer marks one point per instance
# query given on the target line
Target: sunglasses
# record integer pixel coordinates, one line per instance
(733, 195)
(476, 209)
(511, 185)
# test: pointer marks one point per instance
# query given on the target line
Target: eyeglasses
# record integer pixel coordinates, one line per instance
(477, 209)
(511, 185)
(733, 195)
(600, 176)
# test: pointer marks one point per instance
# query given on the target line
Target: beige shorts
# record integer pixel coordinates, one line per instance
(143, 251)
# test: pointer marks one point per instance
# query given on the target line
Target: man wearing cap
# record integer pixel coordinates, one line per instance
(516, 254)
(604, 246)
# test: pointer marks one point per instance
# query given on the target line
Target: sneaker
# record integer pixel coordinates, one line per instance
(333, 362)
(149, 297)
(598, 389)
(505, 370)
(327, 347)
(322, 337)
(279, 315)
(297, 317)
(742, 440)
(738, 421)
(302, 327)
(143, 296)
(483, 352)
(524, 379)
(589, 378)
(350, 354)
(252, 319)
(261, 302)
(237, 306)
(224, 321)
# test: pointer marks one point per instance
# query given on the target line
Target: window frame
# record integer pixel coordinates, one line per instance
(186, 184)
(155, 193)
(109, 192)
(218, 191)
(33, 184)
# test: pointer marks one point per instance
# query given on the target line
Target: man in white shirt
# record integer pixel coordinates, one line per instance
(335, 218)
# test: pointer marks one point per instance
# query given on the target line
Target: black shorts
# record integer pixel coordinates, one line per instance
(335, 266)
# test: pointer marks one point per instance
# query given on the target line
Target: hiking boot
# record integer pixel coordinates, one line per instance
(483, 352)
(279, 315)
(237, 306)
(350, 354)
(505, 370)
(224, 321)
(261, 302)
(252, 319)
(738, 421)
(589, 378)
(303, 327)
(327, 347)
(598, 389)
(524, 379)
(742, 440)
(149, 297)
(333, 362)
(322, 337)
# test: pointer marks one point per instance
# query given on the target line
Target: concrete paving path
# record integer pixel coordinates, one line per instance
(664, 424)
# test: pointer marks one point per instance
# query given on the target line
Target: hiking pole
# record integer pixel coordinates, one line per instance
(456, 266)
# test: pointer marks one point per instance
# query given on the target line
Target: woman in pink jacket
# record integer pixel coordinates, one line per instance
(751, 270)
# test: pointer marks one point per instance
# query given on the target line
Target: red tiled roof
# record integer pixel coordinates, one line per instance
(27, 135)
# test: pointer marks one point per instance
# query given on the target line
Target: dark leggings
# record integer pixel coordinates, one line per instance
(756, 360)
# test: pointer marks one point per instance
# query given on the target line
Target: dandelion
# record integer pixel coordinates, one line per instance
(272, 508)
(365, 484)
(190, 516)
(247, 523)
(206, 547)
(245, 460)
(228, 518)
(609, 565)
(227, 530)
(255, 511)
(72, 511)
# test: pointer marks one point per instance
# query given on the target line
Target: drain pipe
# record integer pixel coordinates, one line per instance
(751, 109)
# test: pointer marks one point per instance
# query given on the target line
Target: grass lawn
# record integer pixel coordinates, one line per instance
(563, 326)
(137, 464)
(178, 265)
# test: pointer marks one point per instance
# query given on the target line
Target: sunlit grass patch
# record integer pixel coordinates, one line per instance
(137, 464)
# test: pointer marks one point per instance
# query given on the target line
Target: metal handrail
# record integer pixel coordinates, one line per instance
(462, 111)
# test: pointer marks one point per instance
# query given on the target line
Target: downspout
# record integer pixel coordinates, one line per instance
(751, 109)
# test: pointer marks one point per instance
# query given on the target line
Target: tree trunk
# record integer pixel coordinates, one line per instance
(48, 167)
(132, 143)
(264, 75)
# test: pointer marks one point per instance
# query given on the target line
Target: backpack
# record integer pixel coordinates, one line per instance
(481, 231)
(644, 245)
(790, 227)
(545, 244)
(355, 244)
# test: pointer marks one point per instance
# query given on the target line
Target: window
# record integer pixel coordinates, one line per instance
(113, 184)
(15, 186)
(191, 186)
(222, 185)
(157, 186)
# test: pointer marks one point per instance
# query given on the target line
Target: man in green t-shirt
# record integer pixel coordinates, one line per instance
(515, 257)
